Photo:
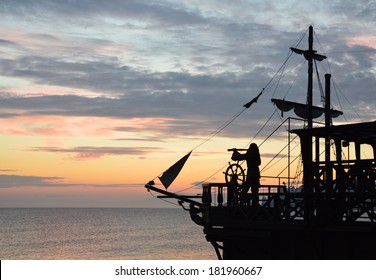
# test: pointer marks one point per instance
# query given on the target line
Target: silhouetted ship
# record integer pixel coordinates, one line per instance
(331, 217)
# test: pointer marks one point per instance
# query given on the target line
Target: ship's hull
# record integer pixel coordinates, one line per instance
(265, 240)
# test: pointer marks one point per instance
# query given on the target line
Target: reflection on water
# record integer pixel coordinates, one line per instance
(86, 233)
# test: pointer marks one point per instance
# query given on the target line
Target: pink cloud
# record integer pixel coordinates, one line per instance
(78, 126)
(89, 153)
(368, 41)
(35, 125)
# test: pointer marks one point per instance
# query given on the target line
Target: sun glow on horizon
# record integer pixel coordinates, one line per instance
(98, 99)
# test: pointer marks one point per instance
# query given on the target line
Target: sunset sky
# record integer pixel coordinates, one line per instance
(99, 97)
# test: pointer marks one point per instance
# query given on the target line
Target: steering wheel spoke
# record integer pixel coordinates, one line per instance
(235, 175)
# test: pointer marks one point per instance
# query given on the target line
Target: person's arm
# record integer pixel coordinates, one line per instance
(238, 156)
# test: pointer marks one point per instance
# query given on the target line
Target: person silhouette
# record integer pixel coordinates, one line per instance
(253, 159)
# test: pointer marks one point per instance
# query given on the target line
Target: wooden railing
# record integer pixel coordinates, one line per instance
(352, 197)
(220, 194)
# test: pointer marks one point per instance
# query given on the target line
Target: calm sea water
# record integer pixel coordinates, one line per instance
(87, 233)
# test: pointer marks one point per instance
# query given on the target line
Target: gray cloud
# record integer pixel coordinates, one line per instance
(85, 153)
(188, 97)
(10, 181)
(155, 11)
(8, 43)
(16, 181)
(199, 77)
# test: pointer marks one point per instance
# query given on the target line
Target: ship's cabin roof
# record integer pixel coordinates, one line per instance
(363, 133)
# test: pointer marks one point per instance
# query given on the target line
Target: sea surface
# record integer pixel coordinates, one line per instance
(101, 233)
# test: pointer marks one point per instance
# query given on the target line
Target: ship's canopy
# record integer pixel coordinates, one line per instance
(301, 110)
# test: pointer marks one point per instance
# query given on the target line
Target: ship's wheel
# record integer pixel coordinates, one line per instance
(235, 175)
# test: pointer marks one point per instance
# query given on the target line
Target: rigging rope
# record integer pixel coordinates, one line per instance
(320, 84)
(246, 106)
(264, 168)
(231, 120)
(336, 87)
(288, 166)
(221, 128)
(175, 204)
(263, 126)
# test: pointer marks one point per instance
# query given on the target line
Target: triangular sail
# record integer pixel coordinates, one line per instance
(170, 174)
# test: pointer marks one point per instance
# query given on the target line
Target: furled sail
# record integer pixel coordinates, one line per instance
(170, 174)
(301, 110)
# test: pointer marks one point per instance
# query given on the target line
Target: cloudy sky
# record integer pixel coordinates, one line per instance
(99, 97)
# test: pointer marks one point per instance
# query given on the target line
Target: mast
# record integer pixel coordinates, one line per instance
(307, 156)
(328, 121)
(308, 203)
(310, 77)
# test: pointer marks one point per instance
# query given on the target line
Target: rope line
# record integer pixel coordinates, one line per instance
(263, 126)
(167, 201)
(221, 128)
(280, 71)
(265, 167)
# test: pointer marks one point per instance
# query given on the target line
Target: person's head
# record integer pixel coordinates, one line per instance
(253, 148)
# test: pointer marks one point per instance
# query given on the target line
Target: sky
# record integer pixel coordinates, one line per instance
(99, 97)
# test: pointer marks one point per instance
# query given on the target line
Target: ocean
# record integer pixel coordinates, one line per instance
(101, 233)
